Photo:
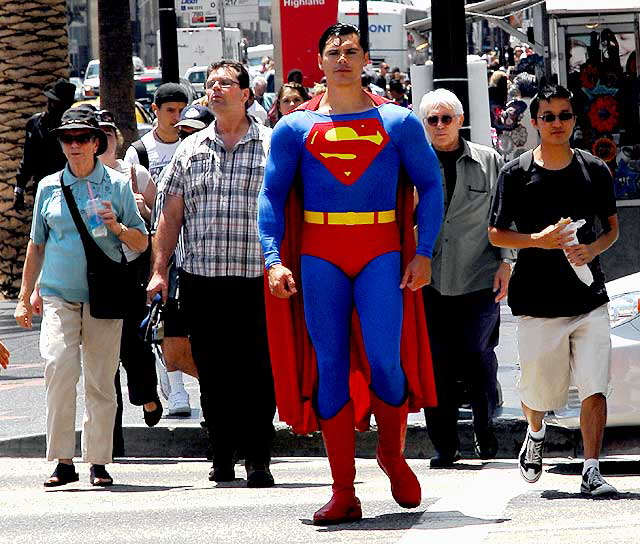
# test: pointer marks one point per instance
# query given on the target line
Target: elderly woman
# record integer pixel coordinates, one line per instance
(70, 334)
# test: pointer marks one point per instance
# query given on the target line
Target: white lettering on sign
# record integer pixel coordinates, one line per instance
(298, 3)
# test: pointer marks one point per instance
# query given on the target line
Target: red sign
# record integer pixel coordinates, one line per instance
(347, 148)
(302, 22)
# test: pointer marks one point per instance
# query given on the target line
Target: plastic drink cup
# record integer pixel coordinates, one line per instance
(96, 225)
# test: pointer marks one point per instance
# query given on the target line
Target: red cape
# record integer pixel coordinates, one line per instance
(293, 358)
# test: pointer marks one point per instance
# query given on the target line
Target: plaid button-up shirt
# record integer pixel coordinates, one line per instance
(220, 191)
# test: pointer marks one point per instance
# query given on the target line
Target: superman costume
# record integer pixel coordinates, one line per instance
(349, 242)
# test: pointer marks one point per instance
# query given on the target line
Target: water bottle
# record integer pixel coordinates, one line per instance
(96, 225)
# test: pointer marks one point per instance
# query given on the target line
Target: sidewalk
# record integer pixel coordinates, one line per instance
(22, 424)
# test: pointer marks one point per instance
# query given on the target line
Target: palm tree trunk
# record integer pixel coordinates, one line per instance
(116, 68)
(34, 46)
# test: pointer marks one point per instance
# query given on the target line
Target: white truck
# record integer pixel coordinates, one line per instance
(203, 45)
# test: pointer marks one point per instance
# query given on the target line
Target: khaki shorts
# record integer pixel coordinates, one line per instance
(558, 351)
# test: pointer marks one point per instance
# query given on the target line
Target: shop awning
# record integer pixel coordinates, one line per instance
(592, 6)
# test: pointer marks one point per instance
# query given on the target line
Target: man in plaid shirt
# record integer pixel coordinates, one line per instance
(211, 188)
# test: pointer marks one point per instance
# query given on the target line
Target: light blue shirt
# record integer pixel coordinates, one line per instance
(64, 270)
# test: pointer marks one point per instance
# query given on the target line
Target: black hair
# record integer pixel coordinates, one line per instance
(243, 75)
(548, 92)
(526, 84)
(295, 76)
(397, 86)
(338, 29)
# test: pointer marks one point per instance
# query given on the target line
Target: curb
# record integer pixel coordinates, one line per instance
(191, 442)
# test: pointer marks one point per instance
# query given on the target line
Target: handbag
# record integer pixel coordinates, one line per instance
(112, 284)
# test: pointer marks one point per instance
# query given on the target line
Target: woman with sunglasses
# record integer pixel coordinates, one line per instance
(56, 260)
(136, 356)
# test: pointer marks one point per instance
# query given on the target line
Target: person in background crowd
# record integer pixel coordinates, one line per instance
(135, 355)
(470, 278)
(211, 188)
(518, 133)
(290, 96)
(295, 76)
(396, 92)
(193, 119)
(383, 78)
(154, 151)
(71, 338)
(260, 92)
(498, 87)
(350, 255)
(255, 110)
(558, 288)
(42, 154)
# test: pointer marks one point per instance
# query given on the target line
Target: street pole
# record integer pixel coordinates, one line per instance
(449, 44)
(222, 26)
(363, 23)
(168, 41)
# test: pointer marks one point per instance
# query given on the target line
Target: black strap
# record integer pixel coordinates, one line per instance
(143, 155)
(526, 163)
(583, 165)
(91, 247)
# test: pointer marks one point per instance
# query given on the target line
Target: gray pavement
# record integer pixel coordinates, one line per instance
(157, 501)
(22, 424)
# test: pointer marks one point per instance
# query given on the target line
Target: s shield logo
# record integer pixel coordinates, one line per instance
(347, 148)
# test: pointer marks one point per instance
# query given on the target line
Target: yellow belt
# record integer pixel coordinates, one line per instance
(349, 218)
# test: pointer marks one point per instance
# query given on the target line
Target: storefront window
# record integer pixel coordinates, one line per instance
(602, 74)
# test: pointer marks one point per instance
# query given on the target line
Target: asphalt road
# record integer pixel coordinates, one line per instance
(170, 501)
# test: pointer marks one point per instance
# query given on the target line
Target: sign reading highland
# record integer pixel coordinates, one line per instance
(198, 12)
(301, 24)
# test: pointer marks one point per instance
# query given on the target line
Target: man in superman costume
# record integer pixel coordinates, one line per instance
(332, 209)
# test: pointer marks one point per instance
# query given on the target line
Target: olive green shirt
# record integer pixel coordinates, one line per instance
(463, 259)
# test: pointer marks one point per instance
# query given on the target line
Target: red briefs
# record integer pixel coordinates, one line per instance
(349, 247)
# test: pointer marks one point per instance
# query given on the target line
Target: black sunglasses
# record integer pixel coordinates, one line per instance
(79, 138)
(433, 120)
(105, 116)
(551, 117)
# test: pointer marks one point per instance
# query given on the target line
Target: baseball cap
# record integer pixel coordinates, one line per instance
(195, 116)
(170, 92)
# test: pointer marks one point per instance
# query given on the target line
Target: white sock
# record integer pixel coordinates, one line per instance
(175, 380)
(537, 434)
(588, 463)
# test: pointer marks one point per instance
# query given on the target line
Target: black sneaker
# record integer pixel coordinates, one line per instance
(440, 460)
(530, 458)
(486, 444)
(593, 484)
(222, 474)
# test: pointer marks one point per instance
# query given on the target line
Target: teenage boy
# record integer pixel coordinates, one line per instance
(563, 325)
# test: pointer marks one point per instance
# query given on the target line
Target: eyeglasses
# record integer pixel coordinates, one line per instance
(551, 117)
(83, 138)
(224, 83)
(105, 116)
(433, 120)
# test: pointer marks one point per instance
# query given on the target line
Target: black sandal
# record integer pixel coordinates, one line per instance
(99, 477)
(153, 417)
(62, 475)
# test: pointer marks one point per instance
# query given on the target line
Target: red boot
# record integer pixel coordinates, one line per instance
(392, 429)
(339, 441)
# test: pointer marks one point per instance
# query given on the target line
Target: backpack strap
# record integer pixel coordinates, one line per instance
(583, 165)
(141, 150)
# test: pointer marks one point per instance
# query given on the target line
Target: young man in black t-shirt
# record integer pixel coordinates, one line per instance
(563, 327)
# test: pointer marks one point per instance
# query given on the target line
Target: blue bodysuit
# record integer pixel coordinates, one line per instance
(349, 166)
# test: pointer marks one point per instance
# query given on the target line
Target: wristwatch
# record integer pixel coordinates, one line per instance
(508, 261)
(123, 229)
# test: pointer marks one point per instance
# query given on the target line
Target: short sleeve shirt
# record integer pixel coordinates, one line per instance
(543, 283)
(64, 270)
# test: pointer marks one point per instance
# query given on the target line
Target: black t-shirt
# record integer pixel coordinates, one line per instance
(448, 160)
(543, 283)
